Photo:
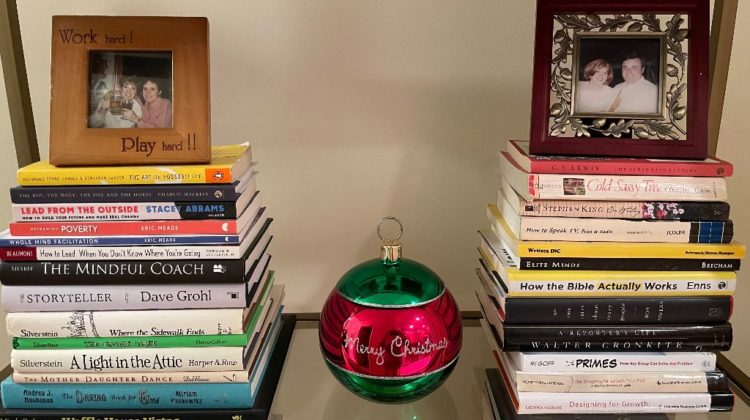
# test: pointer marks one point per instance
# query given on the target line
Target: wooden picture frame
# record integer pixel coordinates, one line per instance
(97, 64)
(621, 78)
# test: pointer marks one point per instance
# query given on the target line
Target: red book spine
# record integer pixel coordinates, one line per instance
(154, 227)
(18, 254)
(630, 168)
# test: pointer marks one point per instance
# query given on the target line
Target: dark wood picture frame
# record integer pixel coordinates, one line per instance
(681, 132)
(186, 139)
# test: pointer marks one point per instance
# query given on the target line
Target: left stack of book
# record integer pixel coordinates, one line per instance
(139, 287)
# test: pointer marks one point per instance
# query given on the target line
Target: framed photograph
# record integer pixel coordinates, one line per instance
(617, 78)
(129, 90)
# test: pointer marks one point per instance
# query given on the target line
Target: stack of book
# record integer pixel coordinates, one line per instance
(139, 287)
(607, 284)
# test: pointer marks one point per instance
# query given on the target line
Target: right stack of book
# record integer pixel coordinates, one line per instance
(607, 285)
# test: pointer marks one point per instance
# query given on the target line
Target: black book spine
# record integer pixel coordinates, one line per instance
(121, 272)
(638, 338)
(717, 382)
(629, 264)
(124, 193)
(687, 210)
(618, 310)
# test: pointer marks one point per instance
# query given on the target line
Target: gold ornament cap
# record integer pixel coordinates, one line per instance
(390, 247)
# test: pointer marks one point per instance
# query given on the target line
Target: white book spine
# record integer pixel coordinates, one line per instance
(131, 360)
(614, 362)
(108, 211)
(124, 323)
(611, 187)
(123, 297)
(167, 252)
(598, 288)
(619, 230)
(593, 403)
(620, 382)
(131, 378)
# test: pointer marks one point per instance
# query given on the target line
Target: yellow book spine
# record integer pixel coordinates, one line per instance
(41, 176)
(562, 249)
(644, 288)
(515, 274)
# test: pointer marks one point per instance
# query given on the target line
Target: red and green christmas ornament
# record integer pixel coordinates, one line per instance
(390, 330)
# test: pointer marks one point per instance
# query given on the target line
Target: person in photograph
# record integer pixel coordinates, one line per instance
(157, 111)
(110, 113)
(636, 94)
(594, 93)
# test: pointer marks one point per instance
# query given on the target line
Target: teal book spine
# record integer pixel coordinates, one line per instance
(126, 396)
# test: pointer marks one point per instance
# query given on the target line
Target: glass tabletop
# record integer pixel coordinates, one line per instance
(307, 390)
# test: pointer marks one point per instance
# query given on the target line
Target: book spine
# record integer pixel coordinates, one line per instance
(130, 360)
(602, 403)
(618, 310)
(124, 211)
(109, 253)
(621, 382)
(628, 188)
(619, 230)
(121, 343)
(10, 241)
(617, 166)
(635, 287)
(140, 324)
(613, 362)
(112, 298)
(504, 233)
(118, 175)
(639, 210)
(624, 264)
(127, 193)
(122, 272)
(125, 396)
(126, 377)
(150, 227)
(636, 338)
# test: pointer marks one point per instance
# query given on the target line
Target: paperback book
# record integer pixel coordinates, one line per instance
(227, 165)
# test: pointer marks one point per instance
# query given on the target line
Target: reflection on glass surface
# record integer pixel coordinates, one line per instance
(307, 391)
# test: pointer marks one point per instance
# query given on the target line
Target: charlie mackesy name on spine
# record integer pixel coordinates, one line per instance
(116, 272)
(638, 338)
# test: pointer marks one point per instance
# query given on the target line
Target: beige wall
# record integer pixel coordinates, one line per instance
(358, 110)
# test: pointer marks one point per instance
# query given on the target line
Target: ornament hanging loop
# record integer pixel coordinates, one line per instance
(390, 249)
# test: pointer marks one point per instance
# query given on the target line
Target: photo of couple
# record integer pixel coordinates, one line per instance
(117, 101)
(618, 76)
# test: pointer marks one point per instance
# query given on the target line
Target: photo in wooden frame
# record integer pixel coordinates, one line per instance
(129, 90)
(616, 78)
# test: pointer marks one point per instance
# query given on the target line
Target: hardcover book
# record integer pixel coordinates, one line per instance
(136, 193)
(611, 187)
(638, 210)
(615, 338)
(604, 310)
(519, 151)
(612, 382)
(707, 256)
(227, 165)
(575, 229)
(503, 408)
